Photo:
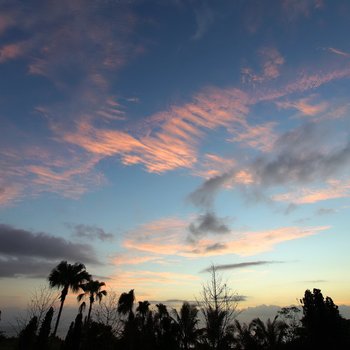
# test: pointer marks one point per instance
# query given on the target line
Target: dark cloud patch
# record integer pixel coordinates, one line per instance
(241, 265)
(325, 211)
(239, 298)
(90, 232)
(291, 207)
(303, 156)
(215, 247)
(208, 223)
(316, 281)
(100, 278)
(34, 254)
(25, 266)
(204, 196)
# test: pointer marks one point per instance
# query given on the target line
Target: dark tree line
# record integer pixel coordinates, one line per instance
(210, 324)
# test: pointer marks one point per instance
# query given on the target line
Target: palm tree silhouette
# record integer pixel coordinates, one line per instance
(187, 321)
(125, 306)
(244, 336)
(92, 289)
(271, 334)
(126, 303)
(67, 276)
(143, 310)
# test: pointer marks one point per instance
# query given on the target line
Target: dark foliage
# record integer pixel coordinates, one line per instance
(44, 332)
(209, 325)
(323, 326)
(74, 335)
(68, 277)
(27, 337)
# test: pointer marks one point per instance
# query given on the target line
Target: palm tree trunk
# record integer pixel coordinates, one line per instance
(89, 313)
(63, 298)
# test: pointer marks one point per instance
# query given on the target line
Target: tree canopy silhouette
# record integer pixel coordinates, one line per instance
(92, 289)
(68, 277)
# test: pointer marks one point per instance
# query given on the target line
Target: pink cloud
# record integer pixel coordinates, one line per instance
(135, 259)
(175, 143)
(338, 52)
(169, 237)
(167, 140)
(32, 170)
(304, 82)
(152, 284)
(11, 51)
(334, 189)
(6, 21)
(260, 137)
(213, 165)
(305, 106)
(251, 243)
(272, 61)
(243, 177)
(9, 192)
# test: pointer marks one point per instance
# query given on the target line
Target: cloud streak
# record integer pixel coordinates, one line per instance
(240, 265)
(335, 189)
(90, 232)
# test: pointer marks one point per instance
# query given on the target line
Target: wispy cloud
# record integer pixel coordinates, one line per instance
(30, 171)
(7, 20)
(294, 9)
(169, 237)
(305, 106)
(335, 189)
(9, 192)
(136, 259)
(211, 165)
(180, 129)
(204, 16)
(325, 211)
(241, 265)
(304, 82)
(60, 40)
(90, 232)
(167, 140)
(154, 283)
(272, 61)
(338, 52)
(301, 156)
(259, 137)
(14, 51)
(251, 243)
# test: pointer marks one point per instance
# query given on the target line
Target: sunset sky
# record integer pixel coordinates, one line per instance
(150, 139)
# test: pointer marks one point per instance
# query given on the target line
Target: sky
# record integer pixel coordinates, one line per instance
(151, 139)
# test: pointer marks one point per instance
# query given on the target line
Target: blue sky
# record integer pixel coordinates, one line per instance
(150, 139)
